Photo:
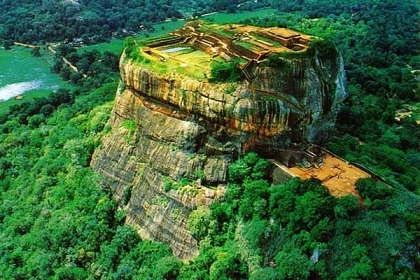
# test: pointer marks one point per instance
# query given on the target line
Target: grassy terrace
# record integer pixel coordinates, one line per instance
(198, 47)
(225, 18)
(221, 30)
(192, 63)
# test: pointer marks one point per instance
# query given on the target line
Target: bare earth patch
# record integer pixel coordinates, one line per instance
(338, 176)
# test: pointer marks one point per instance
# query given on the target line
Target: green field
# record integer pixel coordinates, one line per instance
(19, 68)
(224, 18)
(115, 46)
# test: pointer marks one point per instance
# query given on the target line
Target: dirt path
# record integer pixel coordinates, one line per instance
(72, 67)
(25, 45)
(54, 52)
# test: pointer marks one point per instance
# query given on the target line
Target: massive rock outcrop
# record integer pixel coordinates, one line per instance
(173, 135)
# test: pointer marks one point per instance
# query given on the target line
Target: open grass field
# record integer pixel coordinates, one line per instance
(23, 74)
(198, 58)
(115, 46)
(193, 64)
(225, 18)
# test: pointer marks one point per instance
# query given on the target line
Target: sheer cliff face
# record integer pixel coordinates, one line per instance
(168, 127)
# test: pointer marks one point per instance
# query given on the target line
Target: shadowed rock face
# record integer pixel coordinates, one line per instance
(185, 128)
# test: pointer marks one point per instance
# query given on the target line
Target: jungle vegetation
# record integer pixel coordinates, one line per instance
(56, 222)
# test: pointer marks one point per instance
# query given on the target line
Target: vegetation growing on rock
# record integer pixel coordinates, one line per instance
(226, 72)
(57, 223)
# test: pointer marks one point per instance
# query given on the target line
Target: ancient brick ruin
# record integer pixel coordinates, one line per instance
(249, 43)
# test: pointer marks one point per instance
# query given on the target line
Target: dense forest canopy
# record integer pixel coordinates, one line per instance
(50, 20)
(94, 20)
(57, 223)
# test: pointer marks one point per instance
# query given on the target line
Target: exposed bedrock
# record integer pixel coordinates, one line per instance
(165, 128)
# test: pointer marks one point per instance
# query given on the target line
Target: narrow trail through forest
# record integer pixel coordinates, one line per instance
(54, 52)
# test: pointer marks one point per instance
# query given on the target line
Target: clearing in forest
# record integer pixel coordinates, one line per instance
(337, 175)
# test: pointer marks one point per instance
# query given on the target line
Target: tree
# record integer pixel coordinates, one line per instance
(226, 72)
(227, 266)
(347, 207)
(36, 51)
(7, 44)
(293, 264)
(199, 222)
